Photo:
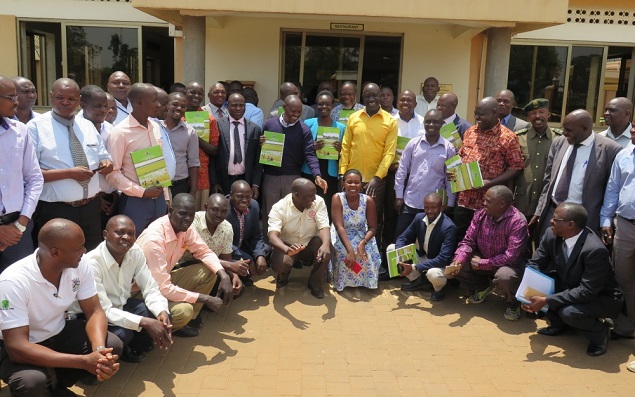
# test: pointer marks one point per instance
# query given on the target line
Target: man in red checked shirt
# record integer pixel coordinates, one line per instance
(497, 150)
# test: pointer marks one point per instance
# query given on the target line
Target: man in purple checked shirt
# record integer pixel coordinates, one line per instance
(494, 250)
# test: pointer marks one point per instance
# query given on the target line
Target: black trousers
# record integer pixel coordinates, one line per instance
(87, 216)
(32, 380)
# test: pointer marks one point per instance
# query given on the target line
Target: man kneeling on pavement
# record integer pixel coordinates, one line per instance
(587, 296)
(435, 236)
(494, 250)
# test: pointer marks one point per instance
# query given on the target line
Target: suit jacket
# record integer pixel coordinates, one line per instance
(586, 276)
(461, 125)
(253, 243)
(595, 178)
(253, 170)
(516, 124)
(441, 245)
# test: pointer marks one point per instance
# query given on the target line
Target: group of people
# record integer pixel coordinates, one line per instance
(117, 268)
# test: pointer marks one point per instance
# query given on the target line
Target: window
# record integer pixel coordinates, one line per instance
(310, 58)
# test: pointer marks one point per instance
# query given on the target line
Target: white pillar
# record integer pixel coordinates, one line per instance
(193, 49)
(497, 60)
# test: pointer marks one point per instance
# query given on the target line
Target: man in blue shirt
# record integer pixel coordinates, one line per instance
(619, 199)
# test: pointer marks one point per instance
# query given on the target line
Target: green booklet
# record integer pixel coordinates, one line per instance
(150, 167)
(280, 110)
(345, 114)
(200, 122)
(329, 135)
(466, 176)
(271, 151)
(451, 134)
(444, 196)
(402, 141)
(406, 254)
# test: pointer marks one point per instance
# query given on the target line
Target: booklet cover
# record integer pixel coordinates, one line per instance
(535, 283)
(402, 141)
(271, 151)
(451, 134)
(150, 167)
(345, 114)
(444, 196)
(329, 135)
(200, 122)
(406, 254)
(467, 176)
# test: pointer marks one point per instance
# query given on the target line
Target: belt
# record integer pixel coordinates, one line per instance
(237, 177)
(628, 220)
(79, 203)
(184, 180)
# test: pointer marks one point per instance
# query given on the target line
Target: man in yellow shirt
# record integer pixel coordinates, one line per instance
(369, 145)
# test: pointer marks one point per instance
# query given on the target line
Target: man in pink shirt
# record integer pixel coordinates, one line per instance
(142, 205)
(186, 288)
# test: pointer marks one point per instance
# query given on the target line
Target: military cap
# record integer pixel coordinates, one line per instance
(536, 104)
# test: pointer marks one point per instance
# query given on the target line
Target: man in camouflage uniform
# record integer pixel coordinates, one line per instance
(535, 143)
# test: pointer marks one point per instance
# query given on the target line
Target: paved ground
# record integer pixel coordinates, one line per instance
(370, 343)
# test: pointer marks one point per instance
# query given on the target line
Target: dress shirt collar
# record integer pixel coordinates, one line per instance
(440, 141)
(534, 134)
(626, 133)
(494, 130)
(245, 212)
(436, 98)
(180, 124)
(109, 261)
(4, 123)
(427, 221)
(240, 120)
(450, 119)
(285, 124)
(588, 141)
(168, 230)
(414, 116)
(571, 242)
(508, 213)
(62, 120)
(505, 119)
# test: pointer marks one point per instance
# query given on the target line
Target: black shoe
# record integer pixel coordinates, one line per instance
(247, 282)
(550, 331)
(383, 277)
(535, 315)
(419, 284)
(282, 282)
(196, 322)
(61, 391)
(131, 356)
(186, 332)
(297, 264)
(616, 336)
(437, 296)
(317, 292)
(597, 350)
(88, 379)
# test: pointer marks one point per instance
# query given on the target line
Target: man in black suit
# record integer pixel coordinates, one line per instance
(578, 168)
(238, 150)
(506, 102)
(586, 294)
(244, 217)
(436, 237)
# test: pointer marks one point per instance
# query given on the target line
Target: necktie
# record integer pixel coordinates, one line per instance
(562, 190)
(241, 223)
(565, 252)
(219, 113)
(238, 153)
(77, 151)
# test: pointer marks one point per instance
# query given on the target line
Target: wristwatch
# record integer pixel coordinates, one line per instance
(19, 226)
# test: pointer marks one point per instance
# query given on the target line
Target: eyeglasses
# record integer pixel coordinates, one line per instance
(559, 220)
(11, 98)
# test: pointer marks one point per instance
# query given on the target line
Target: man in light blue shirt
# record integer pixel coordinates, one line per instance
(252, 111)
(619, 199)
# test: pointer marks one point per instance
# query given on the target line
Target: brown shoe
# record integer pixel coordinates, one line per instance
(282, 281)
(317, 292)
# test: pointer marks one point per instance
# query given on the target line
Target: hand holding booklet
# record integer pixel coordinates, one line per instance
(466, 176)
(534, 283)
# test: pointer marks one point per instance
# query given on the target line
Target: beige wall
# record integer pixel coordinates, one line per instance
(8, 32)
(235, 51)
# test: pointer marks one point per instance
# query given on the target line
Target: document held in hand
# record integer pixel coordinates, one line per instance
(200, 122)
(271, 151)
(329, 135)
(406, 254)
(150, 167)
(466, 176)
(534, 283)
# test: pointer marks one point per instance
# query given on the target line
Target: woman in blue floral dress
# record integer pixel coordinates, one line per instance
(356, 259)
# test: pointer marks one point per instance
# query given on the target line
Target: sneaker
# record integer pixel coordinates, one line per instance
(479, 296)
(631, 366)
(512, 314)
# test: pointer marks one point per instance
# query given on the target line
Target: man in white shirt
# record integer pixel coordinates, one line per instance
(299, 230)
(42, 352)
(118, 262)
(617, 115)
(430, 96)
(119, 85)
(71, 153)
